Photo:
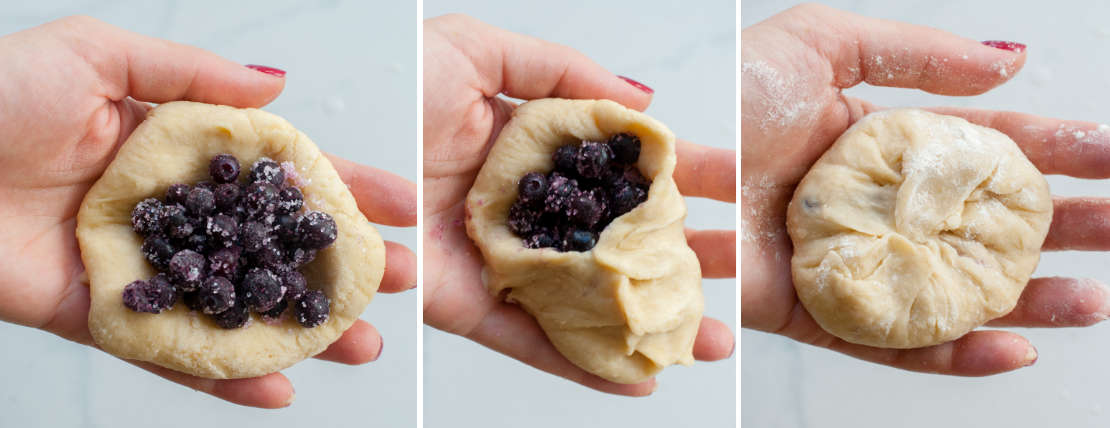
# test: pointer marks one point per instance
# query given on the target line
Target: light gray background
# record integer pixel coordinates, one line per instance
(686, 52)
(351, 86)
(1067, 75)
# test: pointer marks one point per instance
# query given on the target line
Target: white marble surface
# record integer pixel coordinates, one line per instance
(686, 53)
(1067, 75)
(351, 87)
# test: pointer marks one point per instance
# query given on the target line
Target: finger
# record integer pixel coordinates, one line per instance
(1079, 224)
(400, 268)
(1055, 146)
(1059, 302)
(384, 197)
(714, 341)
(529, 68)
(979, 353)
(159, 71)
(716, 250)
(270, 391)
(360, 344)
(706, 172)
(896, 54)
(510, 331)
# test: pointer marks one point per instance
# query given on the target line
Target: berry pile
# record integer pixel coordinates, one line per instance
(592, 184)
(227, 247)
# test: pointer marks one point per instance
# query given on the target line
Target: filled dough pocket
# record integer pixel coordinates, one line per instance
(593, 246)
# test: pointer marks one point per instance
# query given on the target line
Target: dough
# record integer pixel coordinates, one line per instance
(174, 145)
(915, 228)
(631, 305)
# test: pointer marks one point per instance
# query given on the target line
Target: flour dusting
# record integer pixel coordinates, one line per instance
(782, 97)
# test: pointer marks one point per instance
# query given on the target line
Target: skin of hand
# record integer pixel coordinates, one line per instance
(71, 91)
(467, 64)
(794, 66)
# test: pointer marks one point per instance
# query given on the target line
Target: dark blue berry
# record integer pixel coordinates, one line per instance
(223, 229)
(285, 226)
(149, 296)
(227, 197)
(266, 170)
(316, 230)
(532, 187)
(593, 158)
(579, 240)
(626, 148)
(275, 313)
(291, 200)
(198, 242)
(312, 309)
(177, 193)
(559, 191)
(216, 294)
(225, 262)
(564, 159)
(200, 202)
(253, 235)
(522, 218)
(627, 198)
(235, 317)
(262, 289)
(177, 223)
(586, 208)
(187, 269)
(299, 257)
(158, 251)
(261, 197)
(295, 285)
(542, 239)
(224, 168)
(147, 217)
(271, 257)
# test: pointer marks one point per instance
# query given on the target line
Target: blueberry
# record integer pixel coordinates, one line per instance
(312, 309)
(586, 208)
(200, 202)
(532, 187)
(215, 295)
(266, 170)
(225, 261)
(177, 223)
(227, 197)
(275, 313)
(235, 317)
(627, 198)
(559, 191)
(222, 228)
(578, 240)
(177, 193)
(261, 197)
(149, 296)
(290, 200)
(158, 251)
(564, 159)
(187, 269)
(626, 148)
(271, 257)
(295, 284)
(224, 168)
(147, 217)
(262, 289)
(542, 239)
(316, 230)
(198, 242)
(299, 257)
(522, 218)
(593, 158)
(285, 226)
(253, 235)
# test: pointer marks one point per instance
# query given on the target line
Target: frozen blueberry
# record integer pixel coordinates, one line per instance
(532, 187)
(158, 251)
(222, 228)
(593, 158)
(187, 269)
(542, 239)
(276, 311)
(261, 197)
(522, 218)
(216, 294)
(266, 170)
(262, 289)
(626, 148)
(300, 256)
(235, 317)
(312, 309)
(224, 168)
(271, 257)
(295, 284)
(285, 226)
(198, 242)
(253, 235)
(578, 240)
(559, 191)
(316, 230)
(290, 200)
(586, 208)
(177, 193)
(149, 296)
(227, 197)
(206, 185)
(200, 202)
(224, 262)
(177, 223)
(627, 198)
(565, 159)
(147, 217)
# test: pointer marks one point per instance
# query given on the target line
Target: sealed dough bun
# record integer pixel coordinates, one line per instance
(915, 228)
(631, 305)
(174, 145)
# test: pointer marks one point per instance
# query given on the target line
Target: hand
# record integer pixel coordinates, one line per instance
(794, 66)
(71, 91)
(466, 65)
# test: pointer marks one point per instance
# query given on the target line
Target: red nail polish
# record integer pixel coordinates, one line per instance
(638, 85)
(1004, 45)
(268, 70)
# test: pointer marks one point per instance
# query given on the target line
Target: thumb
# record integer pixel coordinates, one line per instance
(155, 70)
(529, 68)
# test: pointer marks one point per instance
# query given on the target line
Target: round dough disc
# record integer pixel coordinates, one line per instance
(174, 145)
(915, 228)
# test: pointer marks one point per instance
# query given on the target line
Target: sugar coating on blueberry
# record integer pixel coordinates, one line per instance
(149, 296)
(224, 168)
(200, 201)
(158, 251)
(290, 200)
(316, 230)
(266, 170)
(177, 193)
(626, 148)
(187, 269)
(295, 284)
(312, 309)
(222, 228)
(216, 294)
(227, 197)
(262, 289)
(236, 317)
(147, 216)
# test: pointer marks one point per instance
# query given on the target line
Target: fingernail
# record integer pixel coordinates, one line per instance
(1030, 356)
(381, 348)
(268, 70)
(292, 397)
(638, 85)
(1006, 46)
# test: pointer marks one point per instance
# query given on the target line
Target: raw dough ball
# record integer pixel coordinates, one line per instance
(631, 305)
(174, 145)
(916, 228)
